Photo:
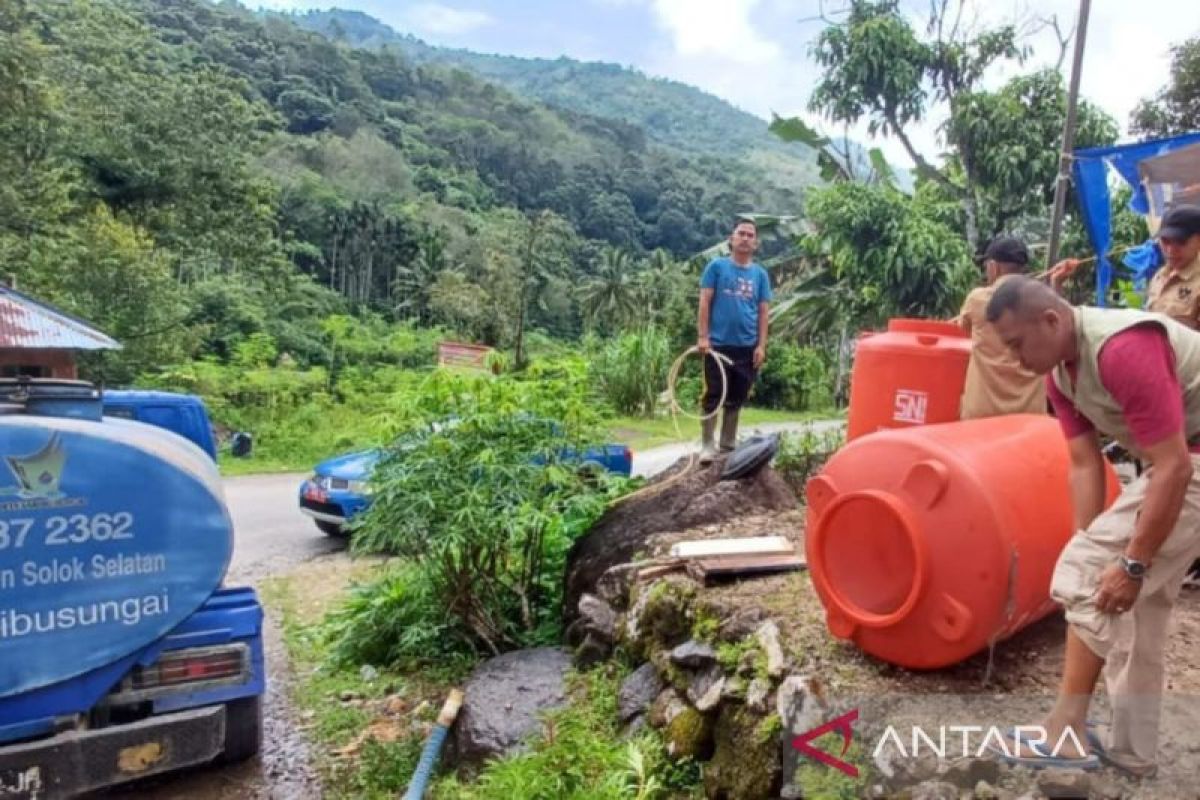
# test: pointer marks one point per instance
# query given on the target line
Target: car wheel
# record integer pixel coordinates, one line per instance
(331, 529)
(243, 729)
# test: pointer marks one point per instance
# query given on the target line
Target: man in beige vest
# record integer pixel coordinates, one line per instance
(1136, 377)
(996, 383)
(1175, 288)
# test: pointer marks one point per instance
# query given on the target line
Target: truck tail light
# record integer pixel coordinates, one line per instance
(200, 665)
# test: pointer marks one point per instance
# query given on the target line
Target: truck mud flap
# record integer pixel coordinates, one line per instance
(80, 761)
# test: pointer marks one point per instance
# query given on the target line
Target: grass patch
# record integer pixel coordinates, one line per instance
(644, 433)
(366, 727)
(364, 749)
(581, 755)
(233, 467)
(820, 780)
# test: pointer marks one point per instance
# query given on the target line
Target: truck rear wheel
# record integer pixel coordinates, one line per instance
(243, 729)
(331, 529)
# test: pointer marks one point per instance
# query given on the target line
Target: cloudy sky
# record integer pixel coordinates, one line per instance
(753, 53)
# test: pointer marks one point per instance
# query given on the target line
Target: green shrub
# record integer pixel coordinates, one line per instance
(631, 371)
(486, 507)
(793, 378)
(801, 455)
(583, 756)
(394, 619)
(294, 416)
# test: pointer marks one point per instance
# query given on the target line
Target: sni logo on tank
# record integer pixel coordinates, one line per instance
(910, 406)
(104, 548)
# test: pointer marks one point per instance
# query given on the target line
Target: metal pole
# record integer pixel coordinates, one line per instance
(1068, 140)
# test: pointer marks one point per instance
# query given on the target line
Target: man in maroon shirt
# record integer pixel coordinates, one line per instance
(1136, 377)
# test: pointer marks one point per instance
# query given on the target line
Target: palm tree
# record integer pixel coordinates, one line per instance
(611, 294)
(415, 280)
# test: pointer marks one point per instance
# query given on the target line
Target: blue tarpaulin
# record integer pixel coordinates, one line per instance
(1090, 172)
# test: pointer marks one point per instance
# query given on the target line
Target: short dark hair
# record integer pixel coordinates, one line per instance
(745, 221)
(1008, 250)
(1021, 295)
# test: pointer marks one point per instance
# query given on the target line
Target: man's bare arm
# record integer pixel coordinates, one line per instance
(1086, 478)
(760, 349)
(1170, 474)
(702, 320)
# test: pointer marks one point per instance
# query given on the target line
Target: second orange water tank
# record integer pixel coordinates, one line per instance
(927, 544)
(912, 374)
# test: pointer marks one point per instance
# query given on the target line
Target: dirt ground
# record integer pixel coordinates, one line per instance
(1020, 684)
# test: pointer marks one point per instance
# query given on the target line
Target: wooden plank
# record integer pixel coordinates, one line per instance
(709, 569)
(751, 545)
(660, 570)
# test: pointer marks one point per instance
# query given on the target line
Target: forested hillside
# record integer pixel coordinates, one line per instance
(671, 113)
(210, 174)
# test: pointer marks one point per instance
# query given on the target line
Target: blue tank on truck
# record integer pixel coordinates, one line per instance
(121, 653)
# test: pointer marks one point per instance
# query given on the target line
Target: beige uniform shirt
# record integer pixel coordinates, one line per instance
(1177, 294)
(997, 384)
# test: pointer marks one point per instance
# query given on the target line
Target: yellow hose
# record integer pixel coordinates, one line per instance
(676, 409)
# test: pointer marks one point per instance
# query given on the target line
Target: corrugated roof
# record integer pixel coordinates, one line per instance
(27, 323)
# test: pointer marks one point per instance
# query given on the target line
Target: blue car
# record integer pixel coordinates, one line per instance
(339, 488)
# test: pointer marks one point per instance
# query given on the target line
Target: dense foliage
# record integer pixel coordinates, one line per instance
(188, 175)
(671, 113)
(1001, 160)
(484, 504)
(1176, 108)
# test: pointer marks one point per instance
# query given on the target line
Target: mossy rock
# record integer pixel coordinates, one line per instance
(745, 763)
(661, 616)
(689, 734)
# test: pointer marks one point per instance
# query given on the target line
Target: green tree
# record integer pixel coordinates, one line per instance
(875, 67)
(610, 297)
(111, 274)
(36, 179)
(413, 287)
(1176, 107)
(875, 253)
(168, 144)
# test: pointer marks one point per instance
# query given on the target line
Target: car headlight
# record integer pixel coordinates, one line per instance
(361, 487)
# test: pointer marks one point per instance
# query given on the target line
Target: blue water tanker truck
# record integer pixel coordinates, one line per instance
(121, 653)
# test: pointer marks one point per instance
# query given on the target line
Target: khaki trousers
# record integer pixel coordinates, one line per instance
(1132, 643)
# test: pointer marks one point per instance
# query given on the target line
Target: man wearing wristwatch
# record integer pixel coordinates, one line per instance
(1134, 376)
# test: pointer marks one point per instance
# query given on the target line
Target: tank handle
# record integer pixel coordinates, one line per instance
(926, 482)
(819, 491)
(928, 339)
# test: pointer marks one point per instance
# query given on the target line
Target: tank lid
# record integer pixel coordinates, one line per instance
(940, 327)
(871, 557)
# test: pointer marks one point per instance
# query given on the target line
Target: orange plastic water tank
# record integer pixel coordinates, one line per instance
(927, 544)
(912, 374)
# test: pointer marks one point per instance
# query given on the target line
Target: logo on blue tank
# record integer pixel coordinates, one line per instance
(39, 473)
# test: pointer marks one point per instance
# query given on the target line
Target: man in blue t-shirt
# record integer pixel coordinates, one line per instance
(734, 293)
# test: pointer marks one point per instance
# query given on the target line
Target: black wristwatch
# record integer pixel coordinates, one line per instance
(1134, 569)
